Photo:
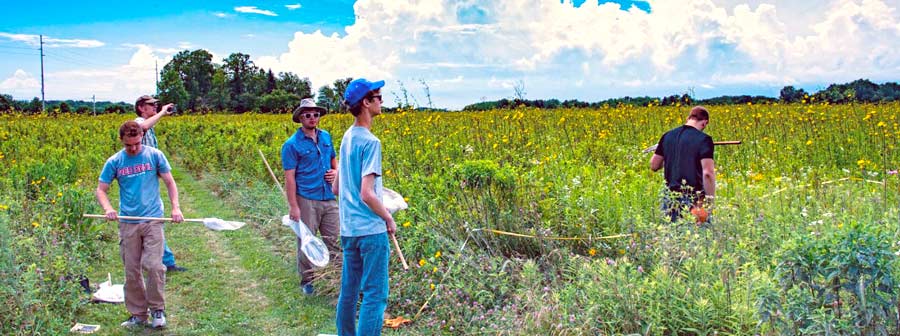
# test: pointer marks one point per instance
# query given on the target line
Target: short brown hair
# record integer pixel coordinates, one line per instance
(130, 129)
(355, 110)
(699, 113)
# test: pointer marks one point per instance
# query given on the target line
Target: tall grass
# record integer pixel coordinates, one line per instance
(802, 173)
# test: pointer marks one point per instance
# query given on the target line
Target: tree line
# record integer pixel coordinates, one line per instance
(8, 104)
(196, 84)
(860, 90)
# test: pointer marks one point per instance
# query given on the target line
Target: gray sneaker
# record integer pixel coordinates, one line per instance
(159, 319)
(134, 321)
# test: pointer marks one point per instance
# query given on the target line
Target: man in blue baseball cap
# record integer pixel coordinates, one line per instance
(365, 223)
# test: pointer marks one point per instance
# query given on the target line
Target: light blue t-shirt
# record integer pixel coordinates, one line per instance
(138, 181)
(360, 156)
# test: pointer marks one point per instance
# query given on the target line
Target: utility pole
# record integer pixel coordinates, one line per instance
(42, 73)
(94, 101)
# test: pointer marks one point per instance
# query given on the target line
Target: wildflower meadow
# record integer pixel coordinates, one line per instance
(520, 221)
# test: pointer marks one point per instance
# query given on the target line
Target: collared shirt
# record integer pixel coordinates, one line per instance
(310, 160)
(360, 156)
(149, 138)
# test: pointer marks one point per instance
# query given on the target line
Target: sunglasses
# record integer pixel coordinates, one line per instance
(152, 104)
(311, 115)
(379, 98)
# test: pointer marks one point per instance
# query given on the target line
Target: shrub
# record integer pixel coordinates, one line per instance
(839, 281)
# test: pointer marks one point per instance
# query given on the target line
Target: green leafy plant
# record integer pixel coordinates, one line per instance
(841, 281)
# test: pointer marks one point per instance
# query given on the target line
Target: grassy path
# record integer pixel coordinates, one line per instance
(234, 285)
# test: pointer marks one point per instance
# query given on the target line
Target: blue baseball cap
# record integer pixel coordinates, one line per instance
(358, 88)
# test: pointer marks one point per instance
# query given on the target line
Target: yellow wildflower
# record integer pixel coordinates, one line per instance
(438, 254)
(592, 252)
(421, 262)
(407, 224)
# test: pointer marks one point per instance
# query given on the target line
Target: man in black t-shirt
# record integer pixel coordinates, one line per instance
(687, 155)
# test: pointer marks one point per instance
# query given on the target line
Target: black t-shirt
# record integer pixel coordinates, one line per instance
(683, 148)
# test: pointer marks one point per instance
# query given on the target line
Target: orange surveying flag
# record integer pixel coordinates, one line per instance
(397, 322)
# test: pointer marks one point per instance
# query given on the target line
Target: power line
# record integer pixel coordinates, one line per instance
(15, 53)
(23, 48)
(76, 55)
(70, 60)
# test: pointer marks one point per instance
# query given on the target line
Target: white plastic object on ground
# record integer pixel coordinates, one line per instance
(109, 293)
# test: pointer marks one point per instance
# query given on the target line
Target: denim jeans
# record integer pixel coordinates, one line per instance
(365, 269)
(168, 258)
(675, 203)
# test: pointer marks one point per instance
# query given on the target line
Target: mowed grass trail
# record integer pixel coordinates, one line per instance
(234, 285)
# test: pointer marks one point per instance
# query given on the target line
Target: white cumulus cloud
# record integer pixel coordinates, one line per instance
(292, 7)
(124, 82)
(20, 81)
(325, 59)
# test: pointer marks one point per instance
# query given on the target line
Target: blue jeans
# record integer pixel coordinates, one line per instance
(366, 269)
(675, 203)
(168, 257)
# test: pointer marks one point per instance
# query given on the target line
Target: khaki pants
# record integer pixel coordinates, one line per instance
(322, 217)
(141, 248)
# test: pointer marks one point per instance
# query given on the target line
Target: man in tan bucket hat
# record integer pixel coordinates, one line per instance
(309, 161)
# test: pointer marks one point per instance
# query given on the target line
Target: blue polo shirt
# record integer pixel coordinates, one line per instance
(310, 161)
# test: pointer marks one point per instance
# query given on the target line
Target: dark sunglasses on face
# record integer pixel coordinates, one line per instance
(311, 115)
(379, 98)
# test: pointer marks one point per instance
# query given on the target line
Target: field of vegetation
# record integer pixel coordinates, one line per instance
(803, 240)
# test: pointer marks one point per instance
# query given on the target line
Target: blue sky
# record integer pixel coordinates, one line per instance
(465, 51)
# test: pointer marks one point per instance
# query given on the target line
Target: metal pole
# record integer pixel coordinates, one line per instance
(94, 101)
(42, 73)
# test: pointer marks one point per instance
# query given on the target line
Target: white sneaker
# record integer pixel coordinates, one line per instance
(159, 319)
(133, 321)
